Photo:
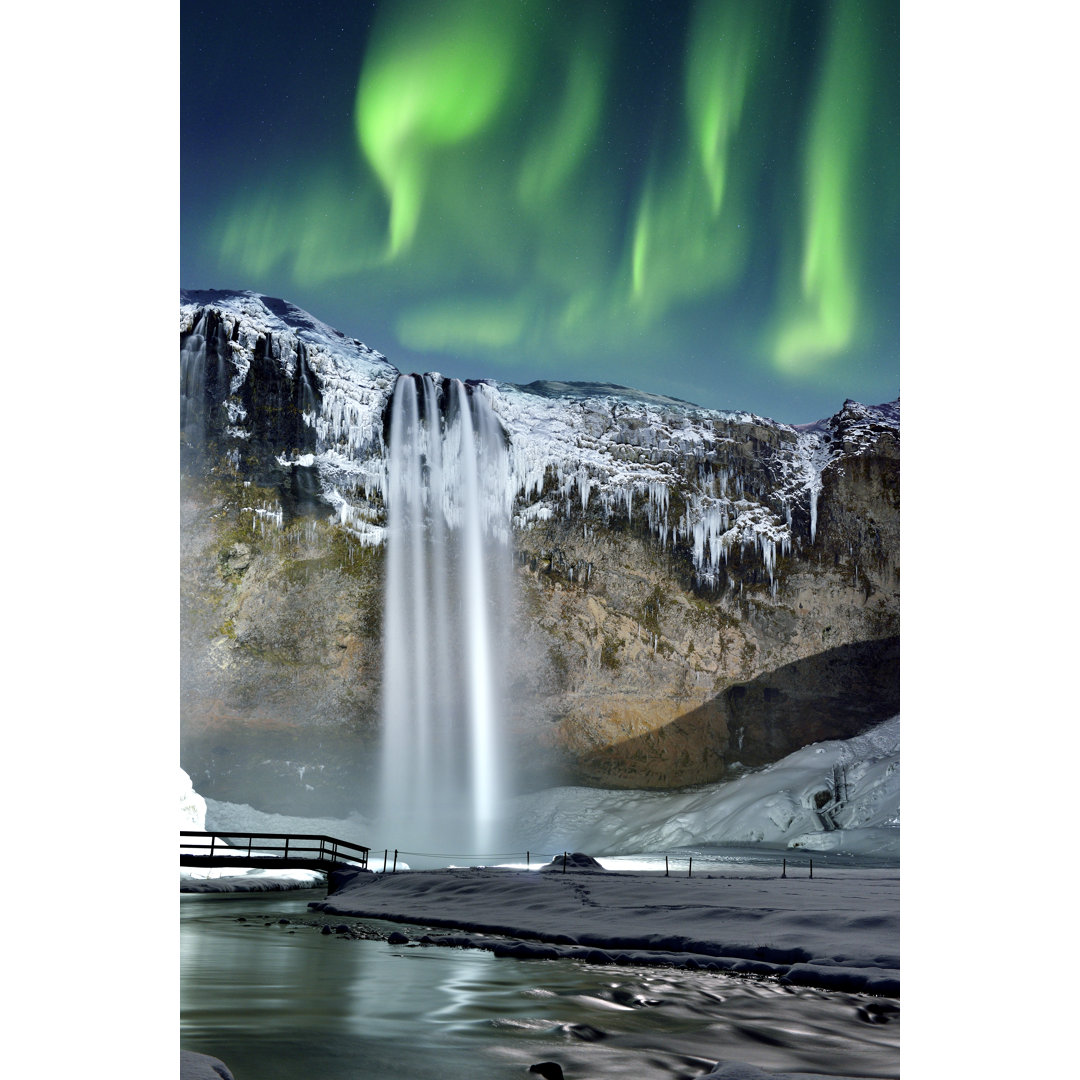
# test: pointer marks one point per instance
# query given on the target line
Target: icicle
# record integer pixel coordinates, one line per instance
(585, 486)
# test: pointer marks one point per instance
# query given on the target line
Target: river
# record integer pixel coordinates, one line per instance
(262, 988)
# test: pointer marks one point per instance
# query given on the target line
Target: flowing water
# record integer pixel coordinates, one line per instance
(282, 1001)
(443, 769)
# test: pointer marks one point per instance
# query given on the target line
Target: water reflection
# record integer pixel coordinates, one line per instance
(280, 1001)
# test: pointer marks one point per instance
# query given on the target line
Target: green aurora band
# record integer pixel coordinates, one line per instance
(821, 314)
(512, 187)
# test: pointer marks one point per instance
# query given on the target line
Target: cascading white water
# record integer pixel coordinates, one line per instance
(444, 771)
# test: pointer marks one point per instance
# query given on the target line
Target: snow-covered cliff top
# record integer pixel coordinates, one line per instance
(255, 314)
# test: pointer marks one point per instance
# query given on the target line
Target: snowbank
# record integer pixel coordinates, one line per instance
(197, 879)
(192, 805)
(840, 795)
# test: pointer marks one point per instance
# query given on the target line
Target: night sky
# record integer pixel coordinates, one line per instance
(695, 199)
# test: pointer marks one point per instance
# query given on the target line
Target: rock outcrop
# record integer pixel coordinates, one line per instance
(694, 589)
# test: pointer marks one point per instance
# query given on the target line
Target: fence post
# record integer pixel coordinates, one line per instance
(386, 852)
(690, 871)
(395, 861)
(784, 874)
(665, 866)
(811, 867)
(564, 862)
(527, 863)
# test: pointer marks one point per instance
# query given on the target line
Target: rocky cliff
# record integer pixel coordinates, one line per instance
(695, 590)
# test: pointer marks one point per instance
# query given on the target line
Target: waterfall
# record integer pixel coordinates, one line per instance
(444, 771)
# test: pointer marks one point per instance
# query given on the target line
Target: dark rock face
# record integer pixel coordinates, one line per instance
(271, 401)
(859, 520)
(630, 666)
(834, 694)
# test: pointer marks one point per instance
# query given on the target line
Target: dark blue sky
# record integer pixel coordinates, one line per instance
(700, 200)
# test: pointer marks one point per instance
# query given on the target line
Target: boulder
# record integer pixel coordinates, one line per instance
(574, 861)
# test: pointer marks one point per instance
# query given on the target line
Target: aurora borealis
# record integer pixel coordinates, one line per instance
(695, 199)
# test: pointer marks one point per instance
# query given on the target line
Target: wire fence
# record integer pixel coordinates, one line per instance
(486, 860)
(563, 860)
(448, 858)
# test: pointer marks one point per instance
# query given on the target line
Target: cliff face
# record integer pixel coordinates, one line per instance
(693, 588)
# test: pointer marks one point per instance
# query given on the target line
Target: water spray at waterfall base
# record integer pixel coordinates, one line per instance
(444, 767)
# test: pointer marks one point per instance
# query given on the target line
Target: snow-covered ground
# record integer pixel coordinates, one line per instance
(839, 929)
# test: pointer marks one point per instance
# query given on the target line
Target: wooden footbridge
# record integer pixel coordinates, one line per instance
(271, 851)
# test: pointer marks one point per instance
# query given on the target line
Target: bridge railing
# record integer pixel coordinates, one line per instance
(314, 846)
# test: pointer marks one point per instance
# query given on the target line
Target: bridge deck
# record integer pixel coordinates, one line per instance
(270, 851)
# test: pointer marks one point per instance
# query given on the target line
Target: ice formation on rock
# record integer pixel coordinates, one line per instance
(595, 450)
